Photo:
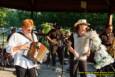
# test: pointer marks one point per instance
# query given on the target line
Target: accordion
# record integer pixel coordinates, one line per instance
(37, 52)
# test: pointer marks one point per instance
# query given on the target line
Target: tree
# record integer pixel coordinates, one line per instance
(3, 15)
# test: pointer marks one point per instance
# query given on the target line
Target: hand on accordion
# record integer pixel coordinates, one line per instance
(35, 44)
(22, 47)
(25, 46)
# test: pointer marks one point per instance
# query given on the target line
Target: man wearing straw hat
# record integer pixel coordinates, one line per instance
(79, 48)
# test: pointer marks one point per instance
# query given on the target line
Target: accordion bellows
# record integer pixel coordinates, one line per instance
(37, 52)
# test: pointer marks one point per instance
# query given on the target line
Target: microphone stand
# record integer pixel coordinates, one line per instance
(63, 54)
(62, 60)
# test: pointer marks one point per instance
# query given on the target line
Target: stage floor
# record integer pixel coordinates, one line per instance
(45, 71)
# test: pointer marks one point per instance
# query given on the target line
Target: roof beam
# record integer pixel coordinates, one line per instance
(60, 5)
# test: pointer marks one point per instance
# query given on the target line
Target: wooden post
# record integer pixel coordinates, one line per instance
(110, 19)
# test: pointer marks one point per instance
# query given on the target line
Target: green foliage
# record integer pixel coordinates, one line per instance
(66, 32)
(46, 27)
(3, 14)
(13, 17)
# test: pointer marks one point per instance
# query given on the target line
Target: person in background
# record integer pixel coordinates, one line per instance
(79, 48)
(18, 45)
(54, 38)
(107, 38)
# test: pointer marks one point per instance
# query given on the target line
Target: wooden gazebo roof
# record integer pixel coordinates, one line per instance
(61, 5)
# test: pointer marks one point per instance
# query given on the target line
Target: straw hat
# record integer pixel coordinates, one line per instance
(81, 21)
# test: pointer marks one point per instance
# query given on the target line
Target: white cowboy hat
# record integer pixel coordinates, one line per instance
(81, 21)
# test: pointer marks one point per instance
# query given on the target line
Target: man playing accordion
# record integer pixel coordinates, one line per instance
(18, 45)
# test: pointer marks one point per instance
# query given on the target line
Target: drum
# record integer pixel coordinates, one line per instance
(37, 52)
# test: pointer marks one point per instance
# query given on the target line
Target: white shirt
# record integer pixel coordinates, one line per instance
(15, 40)
(81, 45)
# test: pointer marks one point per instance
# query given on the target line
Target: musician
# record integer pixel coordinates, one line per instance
(55, 40)
(18, 45)
(107, 38)
(103, 61)
(79, 48)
